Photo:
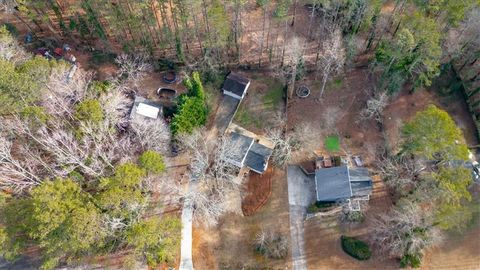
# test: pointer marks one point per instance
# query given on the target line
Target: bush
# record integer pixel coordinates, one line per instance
(11, 28)
(191, 109)
(34, 114)
(98, 88)
(191, 113)
(99, 58)
(412, 260)
(356, 248)
(152, 162)
(352, 217)
(320, 207)
(89, 110)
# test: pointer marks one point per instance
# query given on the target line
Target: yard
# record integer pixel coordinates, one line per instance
(230, 246)
(337, 117)
(263, 104)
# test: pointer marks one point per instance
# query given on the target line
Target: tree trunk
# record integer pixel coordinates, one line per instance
(263, 36)
(294, 12)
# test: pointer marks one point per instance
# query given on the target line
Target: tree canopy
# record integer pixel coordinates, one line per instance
(156, 239)
(192, 110)
(59, 217)
(433, 134)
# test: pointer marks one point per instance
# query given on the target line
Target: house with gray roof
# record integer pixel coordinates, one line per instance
(247, 152)
(235, 86)
(338, 184)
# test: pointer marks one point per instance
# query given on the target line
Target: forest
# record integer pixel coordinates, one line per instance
(84, 183)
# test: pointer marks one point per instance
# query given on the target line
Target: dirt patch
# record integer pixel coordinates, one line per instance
(203, 251)
(337, 113)
(457, 252)
(259, 188)
(231, 241)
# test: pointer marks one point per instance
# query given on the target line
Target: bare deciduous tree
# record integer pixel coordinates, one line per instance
(10, 50)
(399, 172)
(375, 107)
(405, 230)
(133, 67)
(116, 106)
(287, 71)
(213, 178)
(271, 244)
(15, 174)
(285, 145)
(332, 59)
(151, 133)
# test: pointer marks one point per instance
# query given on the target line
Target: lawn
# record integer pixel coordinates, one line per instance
(274, 95)
(332, 143)
(246, 118)
(263, 102)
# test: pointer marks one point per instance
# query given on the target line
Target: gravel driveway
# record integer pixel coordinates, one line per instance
(301, 193)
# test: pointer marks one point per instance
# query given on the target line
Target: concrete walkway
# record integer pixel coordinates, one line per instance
(301, 193)
(186, 262)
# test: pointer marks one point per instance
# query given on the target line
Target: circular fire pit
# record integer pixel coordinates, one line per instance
(170, 77)
(303, 91)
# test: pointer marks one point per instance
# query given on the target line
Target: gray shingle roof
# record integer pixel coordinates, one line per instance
(235, 84)
(332, 184)
(257, 157)
(240, 145)
(340, 183)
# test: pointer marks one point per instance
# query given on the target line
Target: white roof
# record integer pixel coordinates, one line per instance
(147, 110)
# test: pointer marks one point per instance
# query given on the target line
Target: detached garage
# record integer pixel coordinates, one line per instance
(235, 86)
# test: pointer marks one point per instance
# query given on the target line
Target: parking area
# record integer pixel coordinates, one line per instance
(225, 113)
(301, 193)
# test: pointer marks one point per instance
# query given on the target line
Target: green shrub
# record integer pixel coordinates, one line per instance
(356, 248)
(152, 162)
(89, 110)
(319, 207)
(191, 113)
(35, 115)
(99, 57)
(98, 88)
(191, 109)
(411, 260)
(11, 28)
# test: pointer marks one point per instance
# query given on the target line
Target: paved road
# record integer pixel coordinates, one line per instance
(301, 193)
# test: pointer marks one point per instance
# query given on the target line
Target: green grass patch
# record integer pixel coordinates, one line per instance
(356, 248)
(247, 119)
(332, 143)
(274, 95)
